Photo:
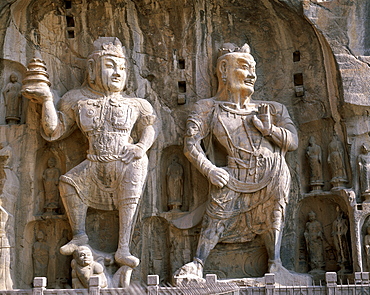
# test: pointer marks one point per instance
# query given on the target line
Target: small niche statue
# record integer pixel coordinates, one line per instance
(175, 185)
(83, 267)
(367, 247)
(51, 180)
(336, 163)
(314, 155)
(6, 282)
(363, 161)
(40, 256)
(339, 233)
(314, 236)
(13, 100)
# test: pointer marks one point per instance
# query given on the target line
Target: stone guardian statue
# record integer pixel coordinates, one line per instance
(114, 173)
(248, 197)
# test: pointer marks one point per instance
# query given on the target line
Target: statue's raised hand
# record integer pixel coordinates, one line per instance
(38, 93)
(262, 121)
(218, 177)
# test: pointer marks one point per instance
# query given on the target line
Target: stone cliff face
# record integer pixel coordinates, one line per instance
(312, 56)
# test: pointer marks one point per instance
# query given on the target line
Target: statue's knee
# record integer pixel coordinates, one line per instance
(66, 189)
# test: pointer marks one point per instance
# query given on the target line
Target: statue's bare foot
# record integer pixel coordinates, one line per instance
(71, 246)
(275, 266)
(126, 259)
(191, 269)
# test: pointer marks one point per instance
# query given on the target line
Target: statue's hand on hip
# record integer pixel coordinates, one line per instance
(37, 93)
(262, 121)
(131, 152)
(218, 177)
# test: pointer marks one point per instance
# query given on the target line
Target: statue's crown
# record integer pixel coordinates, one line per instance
(231, 48)
(108, 46)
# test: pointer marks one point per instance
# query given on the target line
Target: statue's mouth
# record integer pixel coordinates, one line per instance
(249, 82)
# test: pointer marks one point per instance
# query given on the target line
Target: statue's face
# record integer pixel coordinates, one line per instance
(13, 78)
(51, 162)
(84, 257)
(241, 73)
(312, 216)
(113, 73)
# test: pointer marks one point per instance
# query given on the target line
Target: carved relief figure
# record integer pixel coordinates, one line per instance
(62, 264)
(336, 162)
(83, 267)
(113, 175)
(314, 236)
(339, 233)
(363, 161)
(175, 184)
(40, 255)
(51, 180)
(314, 156)
(13, 100)
(249, 196)
(6, 282)
(367, 247)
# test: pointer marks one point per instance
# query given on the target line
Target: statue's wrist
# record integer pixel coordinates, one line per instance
(48, 98)
(141, 145)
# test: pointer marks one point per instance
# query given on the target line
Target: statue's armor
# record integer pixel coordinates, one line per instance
(107, 124)
(103, 179)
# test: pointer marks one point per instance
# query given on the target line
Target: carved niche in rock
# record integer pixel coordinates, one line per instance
(249, 196)
(113, 175)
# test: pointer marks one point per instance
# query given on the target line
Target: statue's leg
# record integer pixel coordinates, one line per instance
(126, 221)
(272, 239)
(76, 212)
(128, 199)
(212, 229)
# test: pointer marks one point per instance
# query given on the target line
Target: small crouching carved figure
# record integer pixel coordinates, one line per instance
(83, 267)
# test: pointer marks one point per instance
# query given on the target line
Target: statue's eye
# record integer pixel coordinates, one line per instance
(109, 65)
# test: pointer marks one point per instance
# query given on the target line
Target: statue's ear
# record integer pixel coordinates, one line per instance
(222, 67)
(91, 70)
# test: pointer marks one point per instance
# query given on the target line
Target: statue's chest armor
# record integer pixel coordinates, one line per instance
(238, 129)
(106, 115)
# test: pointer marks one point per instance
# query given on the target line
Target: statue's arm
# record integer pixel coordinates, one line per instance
(55, 124)
(283, 133)
(148, 130)
(197, 128)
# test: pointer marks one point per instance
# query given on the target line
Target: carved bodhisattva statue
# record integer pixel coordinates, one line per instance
(50, 179)
(113, 175)
(314, 236)
(248, 197)
(363, 161)
(13, 100)
(314, 155)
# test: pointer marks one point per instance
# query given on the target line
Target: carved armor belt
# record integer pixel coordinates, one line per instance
(249, 187)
